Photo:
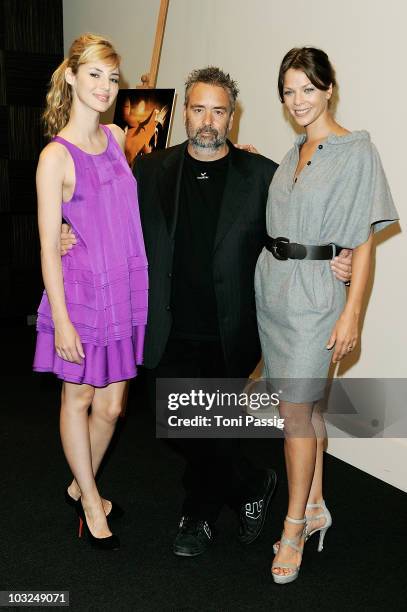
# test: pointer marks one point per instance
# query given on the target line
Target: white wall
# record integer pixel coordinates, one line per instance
(365, 41)
(130, 24)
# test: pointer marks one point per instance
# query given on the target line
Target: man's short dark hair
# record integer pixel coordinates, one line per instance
(211, 75)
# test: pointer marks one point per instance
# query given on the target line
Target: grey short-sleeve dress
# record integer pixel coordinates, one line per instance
(338, 198)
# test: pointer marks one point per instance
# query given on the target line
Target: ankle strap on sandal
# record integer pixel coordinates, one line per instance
(321, 505)
(295, 521)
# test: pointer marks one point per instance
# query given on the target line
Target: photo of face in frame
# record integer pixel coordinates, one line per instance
(145, 115)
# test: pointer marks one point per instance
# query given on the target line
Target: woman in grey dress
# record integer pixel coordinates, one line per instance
(330, 189)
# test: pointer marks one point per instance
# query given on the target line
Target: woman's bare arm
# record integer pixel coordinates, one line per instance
(346, 331)
(50, 179)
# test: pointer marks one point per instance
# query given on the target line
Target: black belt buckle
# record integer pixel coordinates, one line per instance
(278, 242)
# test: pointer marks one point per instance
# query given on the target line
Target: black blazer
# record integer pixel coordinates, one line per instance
(238, 242)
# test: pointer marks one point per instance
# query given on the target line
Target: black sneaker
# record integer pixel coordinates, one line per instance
(193, 537)
(253, 514)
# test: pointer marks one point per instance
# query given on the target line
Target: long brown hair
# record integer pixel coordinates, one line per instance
(87, 47)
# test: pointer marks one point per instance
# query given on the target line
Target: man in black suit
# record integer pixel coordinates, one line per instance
(202, 206)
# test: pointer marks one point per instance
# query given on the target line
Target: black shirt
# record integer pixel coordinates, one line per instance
(193, 300)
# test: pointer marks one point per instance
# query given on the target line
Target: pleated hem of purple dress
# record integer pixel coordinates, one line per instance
(102, 364)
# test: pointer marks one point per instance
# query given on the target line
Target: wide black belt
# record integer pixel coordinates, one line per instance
(283, 249)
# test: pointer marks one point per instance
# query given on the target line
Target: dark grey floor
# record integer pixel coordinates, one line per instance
(363, 566)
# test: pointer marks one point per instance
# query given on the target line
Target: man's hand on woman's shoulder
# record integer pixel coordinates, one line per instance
(246, 147)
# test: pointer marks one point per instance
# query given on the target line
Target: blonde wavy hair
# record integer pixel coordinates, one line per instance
(86, 48)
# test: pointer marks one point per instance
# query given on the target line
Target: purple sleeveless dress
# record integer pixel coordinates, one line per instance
(105, 274)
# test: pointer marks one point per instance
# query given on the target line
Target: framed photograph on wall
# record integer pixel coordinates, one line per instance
(145, 115)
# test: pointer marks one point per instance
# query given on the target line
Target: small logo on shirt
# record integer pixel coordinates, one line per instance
(203, 176)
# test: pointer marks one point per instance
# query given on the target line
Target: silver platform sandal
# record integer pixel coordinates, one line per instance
(294, 544)
(323, 528)
(309, 532)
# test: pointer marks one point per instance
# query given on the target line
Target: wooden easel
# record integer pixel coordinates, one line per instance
(149, 80)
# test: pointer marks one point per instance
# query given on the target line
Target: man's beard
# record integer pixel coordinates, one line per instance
(199, 142)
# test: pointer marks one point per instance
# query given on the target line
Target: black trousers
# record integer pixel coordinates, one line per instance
(216, 471)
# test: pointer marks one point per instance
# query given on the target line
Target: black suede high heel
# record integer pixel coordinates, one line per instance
(110, 543)
(71, 501)
(116, 511)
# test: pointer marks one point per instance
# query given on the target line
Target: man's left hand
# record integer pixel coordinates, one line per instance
(341, 265)
(247, 147)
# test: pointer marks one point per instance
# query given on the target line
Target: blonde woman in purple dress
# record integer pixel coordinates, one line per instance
(92, 317)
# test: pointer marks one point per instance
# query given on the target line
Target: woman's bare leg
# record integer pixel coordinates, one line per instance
(74, 427)
(300, 449)
(316, 495)
(106, 408)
